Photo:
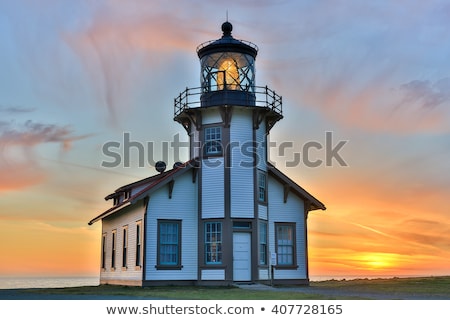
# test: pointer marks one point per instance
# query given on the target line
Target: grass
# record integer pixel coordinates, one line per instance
(419, 285)
(184, 292)
(333, 289)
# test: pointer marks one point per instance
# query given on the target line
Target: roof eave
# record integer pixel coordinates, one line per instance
(155, 185)
(109, 212)
(315, 204)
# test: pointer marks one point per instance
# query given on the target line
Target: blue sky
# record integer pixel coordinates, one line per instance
(77, 74)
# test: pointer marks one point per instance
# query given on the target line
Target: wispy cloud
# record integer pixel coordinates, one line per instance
(425, 93)
(355, 66)
(15, 109)
(124, 44)
(32, 133)
(19, 167)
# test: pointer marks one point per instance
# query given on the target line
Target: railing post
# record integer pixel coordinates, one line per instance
(267, 92)
(175, 106)
(187, 94)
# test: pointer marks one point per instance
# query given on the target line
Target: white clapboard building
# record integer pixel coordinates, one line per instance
(225, 216)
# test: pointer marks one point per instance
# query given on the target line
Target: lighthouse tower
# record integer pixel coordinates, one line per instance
(226, 215)
(228, 119)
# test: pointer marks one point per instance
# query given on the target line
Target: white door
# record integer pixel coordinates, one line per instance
(242, 256)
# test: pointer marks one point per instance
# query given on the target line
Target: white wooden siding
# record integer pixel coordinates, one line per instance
(211, 115)
(261, 150)
(213, 188)
(183, 206)
(262, 212)
(215, 274)
(195, 143)
(291, 211)
(263, 274)
(128, 217)
(242, 171)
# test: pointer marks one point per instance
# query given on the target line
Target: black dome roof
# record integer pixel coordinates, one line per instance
(227, 44)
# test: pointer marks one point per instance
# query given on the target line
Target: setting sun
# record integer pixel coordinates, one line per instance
(377, 261)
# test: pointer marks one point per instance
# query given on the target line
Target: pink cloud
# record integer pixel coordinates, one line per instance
(18, 166)
(18, 176)
(123, 46)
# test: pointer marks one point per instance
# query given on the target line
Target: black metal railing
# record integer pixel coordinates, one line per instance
(262, 97)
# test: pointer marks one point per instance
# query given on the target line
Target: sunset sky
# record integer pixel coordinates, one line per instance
(77, 74)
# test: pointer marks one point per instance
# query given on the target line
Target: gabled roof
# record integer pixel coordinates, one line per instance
(153, 183)
(302, 193)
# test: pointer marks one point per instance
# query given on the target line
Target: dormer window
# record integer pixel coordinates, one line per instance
(116, 201)
(126, 195)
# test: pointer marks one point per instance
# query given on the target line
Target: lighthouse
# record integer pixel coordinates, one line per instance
(226, 215)
(228, 118)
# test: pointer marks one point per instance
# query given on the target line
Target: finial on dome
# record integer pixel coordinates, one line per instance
(227, 28)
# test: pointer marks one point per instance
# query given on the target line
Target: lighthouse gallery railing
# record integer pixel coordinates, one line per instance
(262, 97)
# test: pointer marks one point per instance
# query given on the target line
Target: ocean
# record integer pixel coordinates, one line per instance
(63, 282)
(47, 282)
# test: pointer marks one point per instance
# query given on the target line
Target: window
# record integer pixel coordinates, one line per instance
(242, 225)
(213, 242)
(169, 243)
(262, 186)
(285, 244)
(213, 141)
(124, 246)
(103, 250)
(263, 242)
(138, 243)
(113, 250)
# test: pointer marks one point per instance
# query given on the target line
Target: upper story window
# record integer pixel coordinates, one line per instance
(213, 141)
(262, 186)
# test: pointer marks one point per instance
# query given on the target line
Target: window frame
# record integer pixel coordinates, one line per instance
(103, 257)
(125, 247)
(293, 245)
(216, 141)
(216, 245)
(262, 177)
(113, 249)
(138, 253)
(263, 243)
(163, 265)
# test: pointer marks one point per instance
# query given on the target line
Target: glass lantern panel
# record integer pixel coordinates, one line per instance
(227, 71)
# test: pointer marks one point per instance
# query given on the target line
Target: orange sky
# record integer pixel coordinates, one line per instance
(375, 75)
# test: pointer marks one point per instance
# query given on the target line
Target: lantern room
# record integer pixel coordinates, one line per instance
(227, 80)
(227, 63)
(227, 66)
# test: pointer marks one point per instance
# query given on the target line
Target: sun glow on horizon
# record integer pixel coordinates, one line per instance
(378, 261)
